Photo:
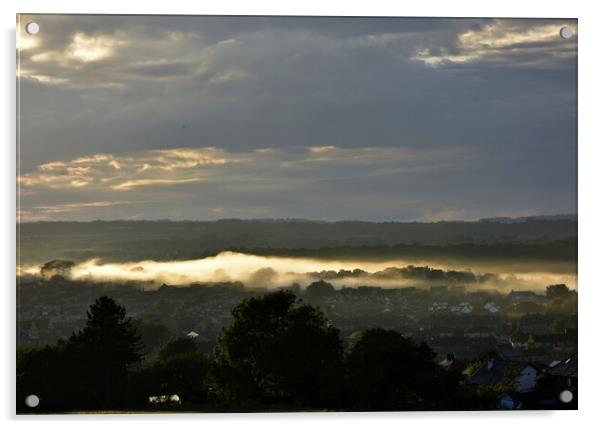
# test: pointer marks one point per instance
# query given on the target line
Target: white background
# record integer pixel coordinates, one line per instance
(590, 299)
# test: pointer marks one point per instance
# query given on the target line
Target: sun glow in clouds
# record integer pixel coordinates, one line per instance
(150, 182)
(26, 41)
(121, 173)
(91, 48)
(498, 42)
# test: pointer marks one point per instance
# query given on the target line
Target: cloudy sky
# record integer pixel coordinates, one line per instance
(144, 117)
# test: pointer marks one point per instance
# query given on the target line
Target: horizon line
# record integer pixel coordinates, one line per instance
(549, 217)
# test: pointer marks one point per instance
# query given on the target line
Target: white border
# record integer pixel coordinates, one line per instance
(590, 206)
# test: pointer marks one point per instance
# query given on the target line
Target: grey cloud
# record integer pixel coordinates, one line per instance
(241, 84)
(160, 70)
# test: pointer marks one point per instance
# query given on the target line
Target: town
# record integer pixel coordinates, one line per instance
(482, 333)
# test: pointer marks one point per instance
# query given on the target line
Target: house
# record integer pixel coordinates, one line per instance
(526, 379)
(491, 307)
(527, 400)
(510, 401)
(565, 372)
(462, 308)
(517, 296)
(439, 306)
(496, 371)
(490, 373)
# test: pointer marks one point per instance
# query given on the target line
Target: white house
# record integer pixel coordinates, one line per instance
(527, 378)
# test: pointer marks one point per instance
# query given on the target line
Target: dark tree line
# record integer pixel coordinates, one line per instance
(277, 352)
(88, 371)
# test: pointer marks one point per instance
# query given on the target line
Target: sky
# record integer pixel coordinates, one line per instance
(378, 119)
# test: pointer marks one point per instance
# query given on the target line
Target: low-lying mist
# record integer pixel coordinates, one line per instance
(272, 271)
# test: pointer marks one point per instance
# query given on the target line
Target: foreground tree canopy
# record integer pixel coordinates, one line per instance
(390, 372)
(278, 349)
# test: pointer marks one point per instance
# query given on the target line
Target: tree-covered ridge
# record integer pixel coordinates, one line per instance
(139, 240)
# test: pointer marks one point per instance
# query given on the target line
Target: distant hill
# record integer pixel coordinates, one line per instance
(136, 240)
(571, 217)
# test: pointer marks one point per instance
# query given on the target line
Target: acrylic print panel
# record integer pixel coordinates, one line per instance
(254, 214)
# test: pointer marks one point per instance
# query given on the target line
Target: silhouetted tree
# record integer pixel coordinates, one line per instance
(56, 267)
(178, 346)
(389, 372)
(152, 335)
(88, 371)
(109, 346)
(319, 290)
(557, 291)
(278, 350)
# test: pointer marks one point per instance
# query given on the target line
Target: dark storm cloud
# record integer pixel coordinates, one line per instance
(491, 102)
